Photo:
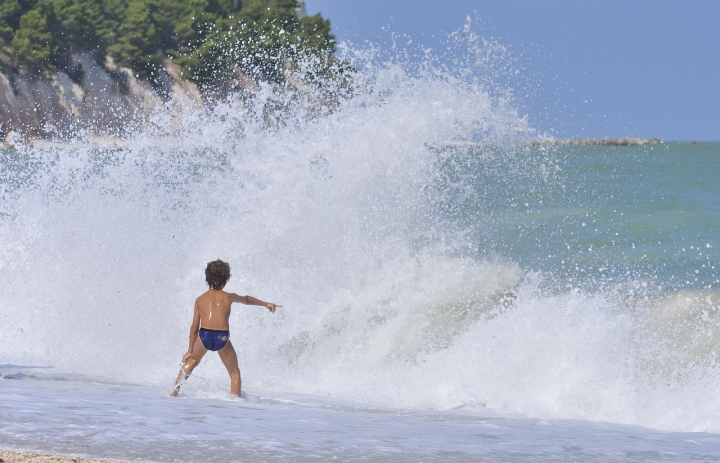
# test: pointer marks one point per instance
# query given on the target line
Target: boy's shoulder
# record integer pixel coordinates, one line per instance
(214, 293)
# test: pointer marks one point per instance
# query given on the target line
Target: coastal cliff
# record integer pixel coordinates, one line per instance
(109, 100)
(72, 68)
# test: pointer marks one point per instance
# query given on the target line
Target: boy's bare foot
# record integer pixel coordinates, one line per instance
(175, 391)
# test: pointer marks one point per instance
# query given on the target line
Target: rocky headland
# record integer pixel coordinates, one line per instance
(96, 70)
(108, 101)
(111, 102)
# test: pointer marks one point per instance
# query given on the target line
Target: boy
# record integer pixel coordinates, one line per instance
(212, 311)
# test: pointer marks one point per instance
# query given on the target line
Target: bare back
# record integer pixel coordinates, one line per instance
(214, 308)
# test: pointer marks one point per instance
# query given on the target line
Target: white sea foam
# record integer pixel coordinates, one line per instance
(343, 218)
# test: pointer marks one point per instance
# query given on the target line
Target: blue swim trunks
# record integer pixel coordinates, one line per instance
(213, 339)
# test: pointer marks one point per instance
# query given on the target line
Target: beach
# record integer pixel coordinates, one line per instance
(133, 423)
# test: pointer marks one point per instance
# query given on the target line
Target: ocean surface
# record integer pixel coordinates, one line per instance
(451, 292)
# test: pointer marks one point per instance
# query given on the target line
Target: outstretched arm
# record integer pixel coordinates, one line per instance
(194, 328)
(249, 300)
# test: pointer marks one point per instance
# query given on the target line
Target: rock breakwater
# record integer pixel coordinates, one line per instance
(598, 141)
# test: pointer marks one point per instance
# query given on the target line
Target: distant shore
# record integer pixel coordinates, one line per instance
(14, 139)
(626, 141)
(10, 456)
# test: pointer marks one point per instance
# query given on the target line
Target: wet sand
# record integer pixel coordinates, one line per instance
(9, 456)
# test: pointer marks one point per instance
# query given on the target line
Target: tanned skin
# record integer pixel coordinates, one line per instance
(212, 311)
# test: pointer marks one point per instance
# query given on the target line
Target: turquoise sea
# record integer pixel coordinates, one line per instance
(607, 215)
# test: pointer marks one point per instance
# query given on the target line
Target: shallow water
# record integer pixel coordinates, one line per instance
(132, 422)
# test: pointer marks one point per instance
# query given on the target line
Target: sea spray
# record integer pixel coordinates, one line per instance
(378, 224)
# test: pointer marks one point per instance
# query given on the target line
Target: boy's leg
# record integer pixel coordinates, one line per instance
(198, 353)
(229, 358)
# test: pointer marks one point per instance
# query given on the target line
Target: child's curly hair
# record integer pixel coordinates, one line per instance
(217, 274)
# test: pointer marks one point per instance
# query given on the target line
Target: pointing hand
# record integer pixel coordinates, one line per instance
(271, 307)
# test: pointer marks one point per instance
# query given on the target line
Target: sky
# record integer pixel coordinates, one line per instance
(610, 68)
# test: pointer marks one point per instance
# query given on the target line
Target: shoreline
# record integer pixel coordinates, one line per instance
(14, 140)
(622, 141)
(15, 456)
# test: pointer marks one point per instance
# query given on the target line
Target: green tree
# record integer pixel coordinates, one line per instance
(259, 10)
(210, 39)
(114, 13)
(263, 40)
(315, 33)
(9, 16)
(194, 25)
(80, 23)
(164, 15)
(136, 45)
(228, 7)
(32, 41)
